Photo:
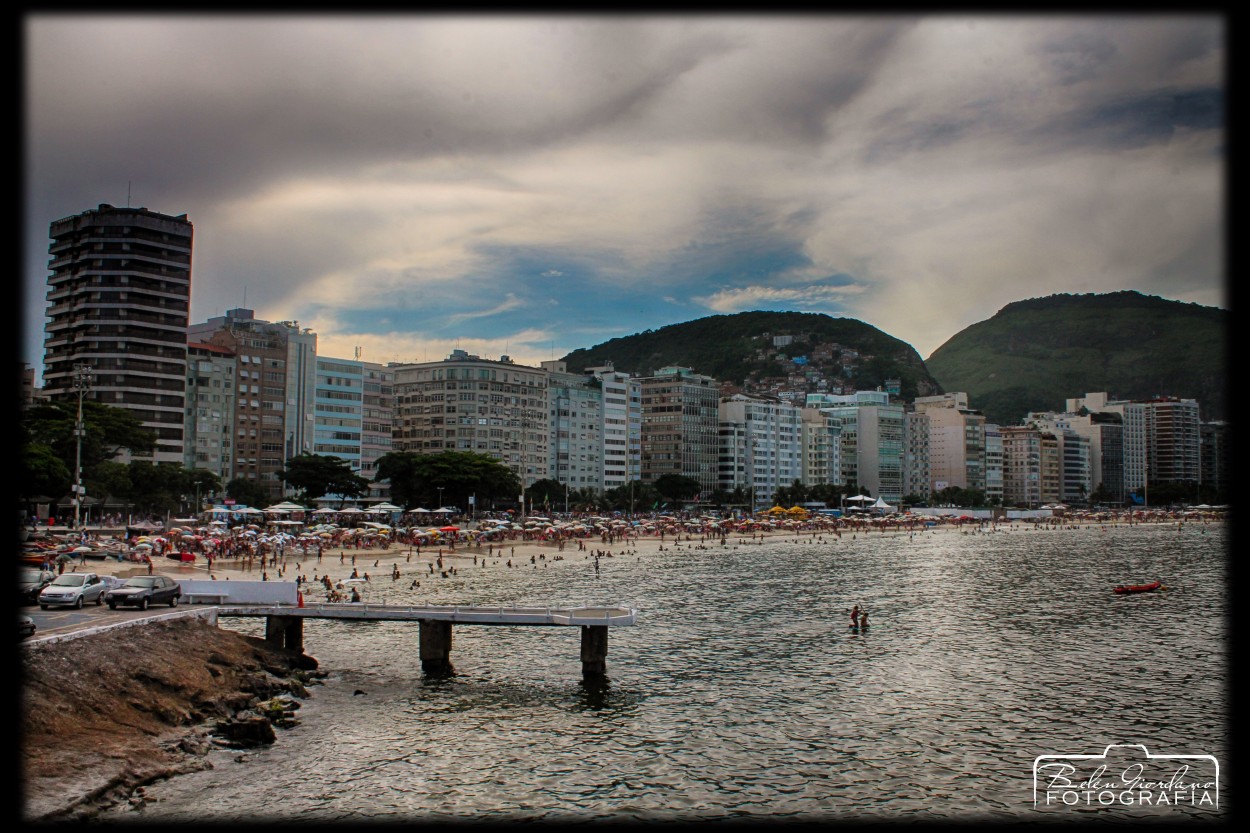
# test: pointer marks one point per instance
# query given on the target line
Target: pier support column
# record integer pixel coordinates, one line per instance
(435, 647)
(285, 632)
(594, 650)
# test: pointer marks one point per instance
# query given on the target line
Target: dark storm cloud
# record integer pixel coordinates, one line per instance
(357, 173)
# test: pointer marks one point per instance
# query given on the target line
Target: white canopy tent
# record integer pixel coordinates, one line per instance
(285, 506)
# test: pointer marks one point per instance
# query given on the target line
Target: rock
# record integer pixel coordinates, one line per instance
(247, 731)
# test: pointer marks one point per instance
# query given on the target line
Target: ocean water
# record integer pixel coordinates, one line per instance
(742, 694)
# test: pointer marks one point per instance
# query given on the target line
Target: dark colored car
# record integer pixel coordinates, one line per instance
(142, 591)
(30, 581)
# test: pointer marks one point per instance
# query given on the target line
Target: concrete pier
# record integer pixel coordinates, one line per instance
(285, 631)
(435, 640)
(284, 625)
(594, 650)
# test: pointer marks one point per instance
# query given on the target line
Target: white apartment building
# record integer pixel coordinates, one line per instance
(622, 426)
(871, 438)
(575, 413)
(760, 446)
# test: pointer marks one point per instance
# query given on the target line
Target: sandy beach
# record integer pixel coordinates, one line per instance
(338, 562)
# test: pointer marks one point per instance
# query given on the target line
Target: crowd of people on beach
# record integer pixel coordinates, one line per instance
(270, 545)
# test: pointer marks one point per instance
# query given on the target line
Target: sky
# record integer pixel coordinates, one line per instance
(526, 186)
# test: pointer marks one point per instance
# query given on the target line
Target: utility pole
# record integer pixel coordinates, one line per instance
(81, 382)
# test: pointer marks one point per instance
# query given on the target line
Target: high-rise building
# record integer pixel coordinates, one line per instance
(1022, 466)
(821, 443)
(1215, 456)
(211, 373)
(622, 426)
(680, 426)
(871, 439)
(956, 442)
(118, 303)
(575, 411)
(274, 384)
(377, 416)
(1103, 470)
(993, 464)
(1161, 438)
(917, 475)
(467, 403)
(760, 446)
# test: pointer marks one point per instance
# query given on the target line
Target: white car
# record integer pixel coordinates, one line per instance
(73, 590)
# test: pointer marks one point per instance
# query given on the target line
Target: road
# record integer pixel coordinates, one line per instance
(60, 620)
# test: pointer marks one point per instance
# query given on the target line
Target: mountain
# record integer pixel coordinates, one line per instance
(770, 352)
(1034, 354)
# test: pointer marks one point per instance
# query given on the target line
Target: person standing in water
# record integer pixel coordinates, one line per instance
(863, 620)
(855, 616)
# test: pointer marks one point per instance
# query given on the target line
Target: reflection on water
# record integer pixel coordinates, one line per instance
(741, 692)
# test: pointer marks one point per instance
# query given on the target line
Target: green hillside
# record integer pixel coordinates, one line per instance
(1034, 354)
(740, 349)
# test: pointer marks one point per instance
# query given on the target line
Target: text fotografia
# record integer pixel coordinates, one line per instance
(1126, 775)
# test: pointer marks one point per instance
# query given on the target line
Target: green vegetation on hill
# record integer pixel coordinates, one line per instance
(739, 349)
(1033, 355)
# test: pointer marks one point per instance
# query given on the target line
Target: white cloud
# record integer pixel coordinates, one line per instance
(814, 297)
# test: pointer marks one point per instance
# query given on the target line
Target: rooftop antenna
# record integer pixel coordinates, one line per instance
(358, 352)
(128, 193)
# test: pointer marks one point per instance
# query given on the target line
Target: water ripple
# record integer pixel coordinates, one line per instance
(741, 694)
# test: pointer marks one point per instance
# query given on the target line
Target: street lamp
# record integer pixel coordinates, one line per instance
(440, 496)
(81, 382)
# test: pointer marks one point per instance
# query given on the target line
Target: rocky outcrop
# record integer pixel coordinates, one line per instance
(106, 714)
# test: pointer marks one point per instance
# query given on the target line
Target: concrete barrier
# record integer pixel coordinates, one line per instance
(202, 591)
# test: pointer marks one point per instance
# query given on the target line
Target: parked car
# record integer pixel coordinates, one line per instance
(25, 626)
(72, 589)
(142, 591)
(30, 581)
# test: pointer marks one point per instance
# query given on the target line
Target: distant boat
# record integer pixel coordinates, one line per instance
(1138, 588)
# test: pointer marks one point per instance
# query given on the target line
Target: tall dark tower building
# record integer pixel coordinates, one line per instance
(119, 297)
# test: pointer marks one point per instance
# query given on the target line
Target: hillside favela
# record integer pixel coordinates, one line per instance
(760, 564)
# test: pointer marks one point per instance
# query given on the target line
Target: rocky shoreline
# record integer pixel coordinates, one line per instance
(104, 715)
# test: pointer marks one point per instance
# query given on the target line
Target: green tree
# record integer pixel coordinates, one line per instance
(415, 479)
(633, 497)
(738, 498)
(586, 499)
(107, 430)
(156, 488)
(314, 475)
(247, 492)
(792, 495)
(547, 493)
(42, 472)
(48, 434)
(675, 488)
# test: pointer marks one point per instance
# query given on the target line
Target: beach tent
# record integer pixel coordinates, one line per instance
(284, 507)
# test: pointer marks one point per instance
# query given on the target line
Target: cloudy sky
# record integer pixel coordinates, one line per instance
(531, 185)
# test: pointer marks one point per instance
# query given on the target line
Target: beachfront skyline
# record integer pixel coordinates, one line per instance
(534, 185)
